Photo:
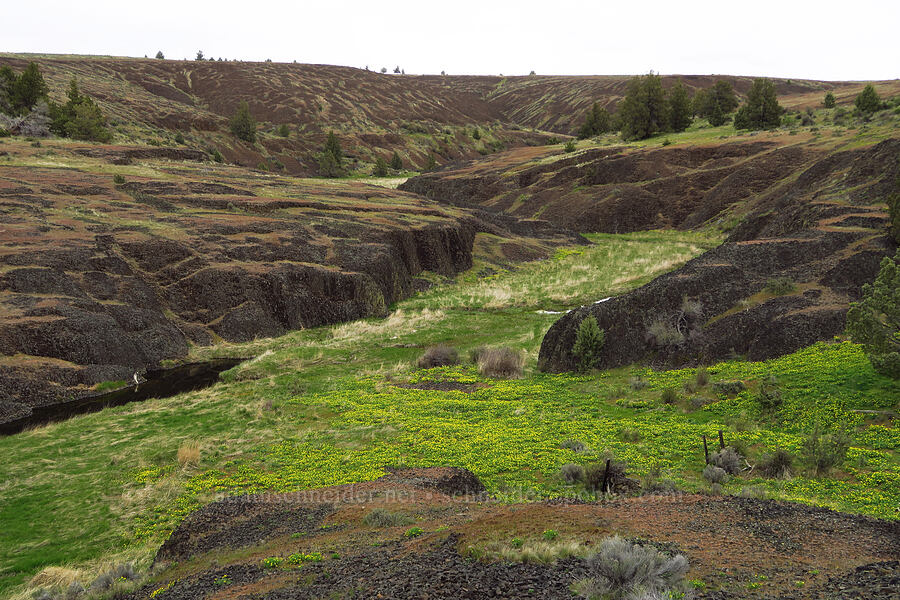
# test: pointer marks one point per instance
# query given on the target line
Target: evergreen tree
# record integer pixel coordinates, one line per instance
(431, 163)
(868, 101)
(160, 55)
(243, 125)
(396, 162)
(596, 121)
(79, 118)
(381, 168)
(875, 320)
(331, 160)
(7, 85)
(761, 110)
(199, 55)
(588, 343)
(829, 100)
(28, 88)
(679, 108)
(715, 103)
(643, 112)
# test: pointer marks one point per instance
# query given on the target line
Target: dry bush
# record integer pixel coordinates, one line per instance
(777, 465)
(702, 377)
(501, 363)
(714, 474)
(438, 356)
(382, 517)
(662, 333)
(189, 453)
(728, 459)
(572, 473)
(622, 569)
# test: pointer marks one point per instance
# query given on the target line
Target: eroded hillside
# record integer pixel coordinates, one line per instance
(100, 279)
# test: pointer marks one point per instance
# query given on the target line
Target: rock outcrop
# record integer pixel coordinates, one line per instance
(782, 280)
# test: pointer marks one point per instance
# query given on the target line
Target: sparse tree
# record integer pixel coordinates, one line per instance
(397, 69)
(7, 85)
(199, 55)
(381, 168)
(331, 159)
(383, 70)
(596, 121)
(79, 118)
(874, 321)
(28, 88)
(588, 343)
(396, 162)
(243, 125)
(643, 112)
(679, 108)
(829, 101)
(715, 103)
(761, 110)
(160, 55)
(868, 101)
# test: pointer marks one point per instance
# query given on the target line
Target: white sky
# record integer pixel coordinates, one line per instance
(778, 38)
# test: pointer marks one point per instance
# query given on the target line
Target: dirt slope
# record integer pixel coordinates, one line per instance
(730, 542)
(99, 279)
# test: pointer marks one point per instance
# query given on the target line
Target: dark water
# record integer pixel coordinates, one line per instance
(160, 383)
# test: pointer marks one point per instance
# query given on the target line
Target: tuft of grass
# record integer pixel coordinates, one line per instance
(501, 363)
(189, 453)
(438, 356)
(382, 517)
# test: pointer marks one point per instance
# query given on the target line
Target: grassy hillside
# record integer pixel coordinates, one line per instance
(339, 404)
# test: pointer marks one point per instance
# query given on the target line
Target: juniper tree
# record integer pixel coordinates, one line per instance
(643, 112)
(761, 110)
(396, 161)
(874, 321)
(243, 125)
(679, 108)
(868, 100)
(829, 101)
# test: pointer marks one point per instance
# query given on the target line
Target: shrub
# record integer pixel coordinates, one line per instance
(588, 343)
(630, 435)
(662, 333)
(829, 101)
(413, 532)
(637, 383)
(217, 156)
(272, 562)
(179, 138)
(382, 517)
(242, 124)
(824, 452)
(430, 163)
(573, 445)
(779, 286)
(569, 147)
(777, 465)
(476, 135)
(701, 377)
(118, 179)
(595, 472)
(621, 569)
(381, 168)
(769, 395)
(729, 388)
(669, 396)
(284, 130)
(874, 321)
(550, 535)
(714, 474)
(501, 363)
(572, 473)
(727, 459)
(438, 356)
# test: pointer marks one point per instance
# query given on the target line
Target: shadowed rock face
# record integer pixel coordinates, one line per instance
(825, 232)
(98, 281)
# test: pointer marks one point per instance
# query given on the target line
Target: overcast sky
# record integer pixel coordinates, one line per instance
(783, 38)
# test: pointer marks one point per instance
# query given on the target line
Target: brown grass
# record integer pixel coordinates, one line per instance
(501, 363)
(189, 453)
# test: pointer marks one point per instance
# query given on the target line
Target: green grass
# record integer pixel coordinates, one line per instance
(320, 407)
